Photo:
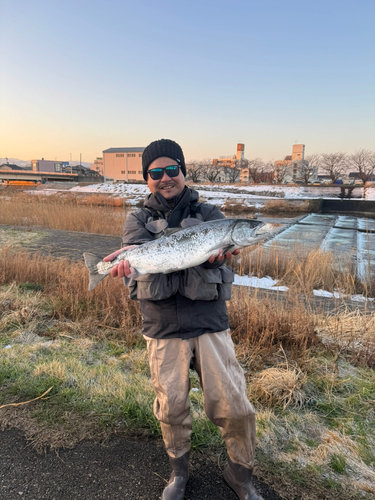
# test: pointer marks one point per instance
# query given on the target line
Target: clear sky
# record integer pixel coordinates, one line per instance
(80, 76)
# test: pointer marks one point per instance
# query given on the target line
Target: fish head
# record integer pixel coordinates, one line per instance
(247, 232)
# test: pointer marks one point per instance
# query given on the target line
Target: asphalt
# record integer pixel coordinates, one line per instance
(126, 469)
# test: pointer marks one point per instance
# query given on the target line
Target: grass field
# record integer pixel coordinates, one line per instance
(309, 375)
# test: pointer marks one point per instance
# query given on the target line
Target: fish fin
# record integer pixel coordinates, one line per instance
(228, 248)
(92, 261)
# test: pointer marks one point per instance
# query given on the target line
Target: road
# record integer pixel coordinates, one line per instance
(126, 469)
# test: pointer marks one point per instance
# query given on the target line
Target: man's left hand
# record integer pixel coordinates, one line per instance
(221, 256)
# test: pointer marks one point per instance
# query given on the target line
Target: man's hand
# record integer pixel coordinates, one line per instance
(122, 269)
(220, 257)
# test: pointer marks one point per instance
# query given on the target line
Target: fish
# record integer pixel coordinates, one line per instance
(184, 248)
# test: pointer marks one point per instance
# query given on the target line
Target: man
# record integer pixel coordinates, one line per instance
(185, 323)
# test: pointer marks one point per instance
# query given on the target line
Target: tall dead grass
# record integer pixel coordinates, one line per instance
(301, 270)
(65, 284)
(261, 325)
(93, 214)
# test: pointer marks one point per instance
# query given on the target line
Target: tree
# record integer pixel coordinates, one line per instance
(307, 166)
(210, 170)
(334, 164)
(256, 170)
(280, 170)
(194, 170)
(233, 173)
(363, 161)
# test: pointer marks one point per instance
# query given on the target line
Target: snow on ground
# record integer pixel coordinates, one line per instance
(268, 283)
(254, 282)
(223, 192)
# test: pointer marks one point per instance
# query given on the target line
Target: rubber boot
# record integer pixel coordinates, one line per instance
(175, 488)
(238, 478)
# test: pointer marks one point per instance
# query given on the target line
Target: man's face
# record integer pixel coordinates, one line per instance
(166, 186)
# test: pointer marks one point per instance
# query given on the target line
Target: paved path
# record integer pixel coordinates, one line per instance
(123, 469)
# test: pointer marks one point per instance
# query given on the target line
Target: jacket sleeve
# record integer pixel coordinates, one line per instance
(135, 232)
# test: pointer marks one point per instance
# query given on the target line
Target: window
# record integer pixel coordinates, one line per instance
(57, 167)
(123, 172)
(140, 172)
(131, 155)
(119, 155)
(140, 154)
(132, 172)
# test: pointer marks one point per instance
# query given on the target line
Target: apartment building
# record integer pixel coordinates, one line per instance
(231, 162)
(123, 164)
(292, 162)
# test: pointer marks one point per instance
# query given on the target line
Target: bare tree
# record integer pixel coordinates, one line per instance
(256, 170)
(268, 173)
(363, 161)
(334, 164)
(307, 166)
(194, 170)
(280, 170)
(210, 170)
(233, 173)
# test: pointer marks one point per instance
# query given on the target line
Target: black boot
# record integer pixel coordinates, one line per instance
(175, 488)
(238, 478)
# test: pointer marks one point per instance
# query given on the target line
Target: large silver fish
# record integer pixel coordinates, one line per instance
(185, 248)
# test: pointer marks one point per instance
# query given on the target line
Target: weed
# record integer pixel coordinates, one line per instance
(338, 463)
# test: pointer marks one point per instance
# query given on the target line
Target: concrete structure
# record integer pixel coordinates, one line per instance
(123, 164)
(292, 166)
(298, 152)
(48, 165)
(230, 162)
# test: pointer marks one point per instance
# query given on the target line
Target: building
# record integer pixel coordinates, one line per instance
(298, 152)
(228, 162)
(97, 166)
(123, 164)
(231, 161)
(292, 166)
(48, 165)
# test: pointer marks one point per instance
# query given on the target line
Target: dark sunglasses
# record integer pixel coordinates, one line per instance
(157, 173)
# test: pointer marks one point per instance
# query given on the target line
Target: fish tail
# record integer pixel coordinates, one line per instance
(92, 261)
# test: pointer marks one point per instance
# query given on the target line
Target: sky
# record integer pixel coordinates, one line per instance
(81, 76)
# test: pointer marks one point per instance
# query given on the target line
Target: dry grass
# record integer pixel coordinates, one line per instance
(262, 325)
(235, 207)
(351, 333)
(278, 386)
(66, 285)
(286, 206)
(93, 214)
(298, 269)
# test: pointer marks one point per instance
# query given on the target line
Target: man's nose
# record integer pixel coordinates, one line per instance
(165, 176)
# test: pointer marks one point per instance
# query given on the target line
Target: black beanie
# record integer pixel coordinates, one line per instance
(162, 147)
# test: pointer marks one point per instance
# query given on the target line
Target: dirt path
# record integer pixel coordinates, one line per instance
(67, 244)
(125, 469)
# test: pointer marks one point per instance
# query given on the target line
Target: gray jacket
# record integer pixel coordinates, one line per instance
(181, 304)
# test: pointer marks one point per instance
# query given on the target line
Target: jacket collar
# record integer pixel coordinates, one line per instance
(156, 201)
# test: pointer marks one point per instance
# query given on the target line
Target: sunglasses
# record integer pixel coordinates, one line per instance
(157, 173)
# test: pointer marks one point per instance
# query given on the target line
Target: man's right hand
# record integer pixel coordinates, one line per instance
(122, 269)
